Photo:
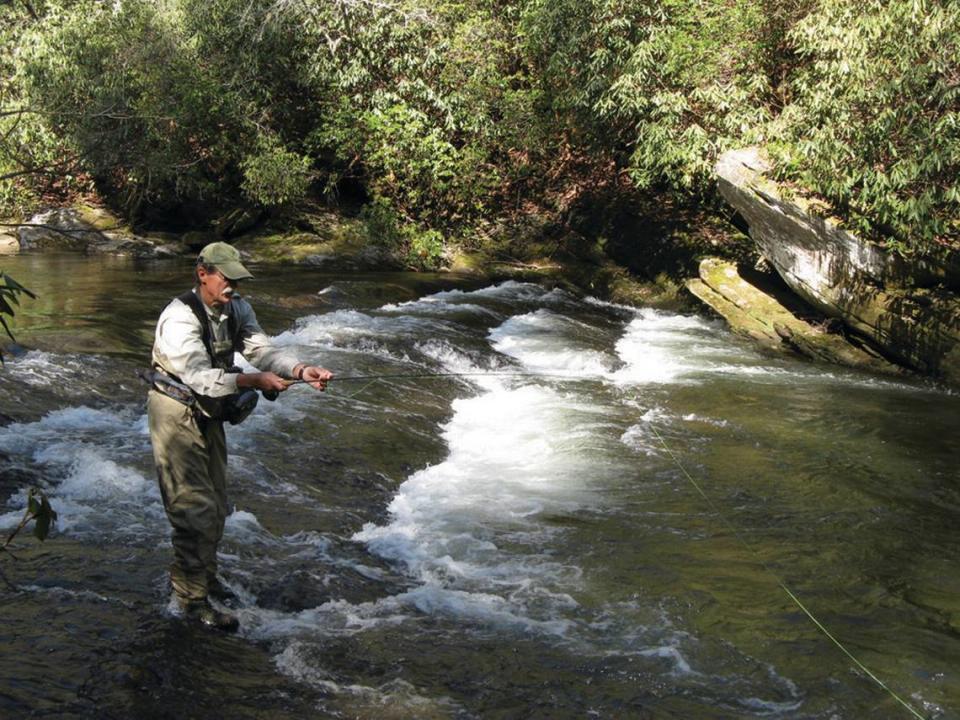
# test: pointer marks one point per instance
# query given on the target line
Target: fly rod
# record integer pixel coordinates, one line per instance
(401, 376)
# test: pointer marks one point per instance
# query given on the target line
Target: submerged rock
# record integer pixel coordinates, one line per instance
(59, 228)
(904, 309)
(302, 590)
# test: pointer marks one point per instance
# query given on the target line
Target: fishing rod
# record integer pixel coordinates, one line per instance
(401, 376)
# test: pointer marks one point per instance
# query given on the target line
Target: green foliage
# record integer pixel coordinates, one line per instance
(426, 249)
(275, 176)
(44, 517)
(123, 86)
(422, 248)
(672, 83)
(451, 112)
(875, 126)
(10, 291)
(40, 511)
(417, 95)
(383, 224)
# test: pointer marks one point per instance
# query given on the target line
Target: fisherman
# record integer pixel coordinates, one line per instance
(196, 337)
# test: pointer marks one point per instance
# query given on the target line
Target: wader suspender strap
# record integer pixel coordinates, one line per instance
(193, 301)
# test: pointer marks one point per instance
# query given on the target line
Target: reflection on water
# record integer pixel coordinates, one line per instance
(503, 546)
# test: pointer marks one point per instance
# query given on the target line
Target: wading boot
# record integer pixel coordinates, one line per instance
(221, 593)
(201, 611)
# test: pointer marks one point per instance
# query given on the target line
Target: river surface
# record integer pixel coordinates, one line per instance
(532, 545)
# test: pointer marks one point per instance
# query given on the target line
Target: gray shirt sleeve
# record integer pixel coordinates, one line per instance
(178, 348)
(257, 348)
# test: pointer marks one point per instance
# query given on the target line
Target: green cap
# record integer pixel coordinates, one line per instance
(226, 258)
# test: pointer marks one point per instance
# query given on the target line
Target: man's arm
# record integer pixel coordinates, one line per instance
(260, 351)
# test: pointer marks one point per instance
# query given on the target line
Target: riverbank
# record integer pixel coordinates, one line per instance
(330, 241)
(648, 261)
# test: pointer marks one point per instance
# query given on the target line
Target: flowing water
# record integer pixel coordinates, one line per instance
(508, 546)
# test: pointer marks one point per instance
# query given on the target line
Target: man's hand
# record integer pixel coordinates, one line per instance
(262, 381)
(316, 377)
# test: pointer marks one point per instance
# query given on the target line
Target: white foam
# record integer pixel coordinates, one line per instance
(37, 367)
(509, 290)
(547, 342)
(450, 357)
(396, 698)
(436, 306)
(243, 527)
(91, 476)
(68, 423)
(671, 653)
(82, 453)
(656, 348)
(509, 461)
(482, 608)
(693, 417)
(70, 594)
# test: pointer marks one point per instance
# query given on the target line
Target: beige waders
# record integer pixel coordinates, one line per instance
(191, 459)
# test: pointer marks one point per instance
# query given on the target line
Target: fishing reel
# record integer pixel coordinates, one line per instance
(237, 407)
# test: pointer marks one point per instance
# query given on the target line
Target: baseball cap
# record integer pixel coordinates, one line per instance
(226, 258)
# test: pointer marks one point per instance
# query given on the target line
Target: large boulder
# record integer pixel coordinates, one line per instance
(58, 228)
(87, 229)
(903, 308)
(9, 243)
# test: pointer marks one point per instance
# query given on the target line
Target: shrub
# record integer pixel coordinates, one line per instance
(875, 125)
(274, 176)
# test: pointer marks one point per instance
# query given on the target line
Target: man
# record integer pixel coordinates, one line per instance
(196, 337)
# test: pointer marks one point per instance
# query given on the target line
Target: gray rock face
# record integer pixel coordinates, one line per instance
(60, 228)
(896, 306)
(92, 231)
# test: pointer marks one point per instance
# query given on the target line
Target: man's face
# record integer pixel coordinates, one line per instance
(215, 289)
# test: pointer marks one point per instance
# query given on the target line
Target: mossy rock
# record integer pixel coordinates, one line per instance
(101, 219)
(753, 311)
(321, 239)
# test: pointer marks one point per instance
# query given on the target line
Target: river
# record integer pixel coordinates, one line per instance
(602, 534)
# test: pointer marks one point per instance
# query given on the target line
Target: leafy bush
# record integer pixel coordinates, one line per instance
(10, 292)
(124, 88)
(383, 225)
(422, 248)
(426, 248)
(450, 112)
(275, 176)
(668, 85)
(875, 125)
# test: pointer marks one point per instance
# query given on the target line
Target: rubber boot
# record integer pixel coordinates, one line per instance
(202, 612)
